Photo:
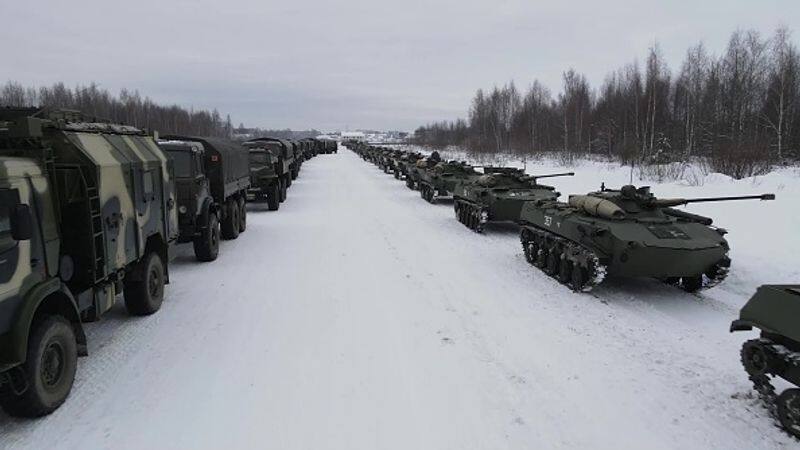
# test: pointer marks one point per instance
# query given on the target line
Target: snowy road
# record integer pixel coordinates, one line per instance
(360, 317)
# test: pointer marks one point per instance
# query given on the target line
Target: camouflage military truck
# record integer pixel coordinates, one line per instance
(441, 179)
(87, 210)
(281, 148)
(212, 176)
(265, 182)
(498, 195)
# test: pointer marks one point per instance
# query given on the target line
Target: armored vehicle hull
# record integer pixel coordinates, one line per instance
(624, 233)
(498, 196)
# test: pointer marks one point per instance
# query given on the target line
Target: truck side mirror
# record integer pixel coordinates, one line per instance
(21, 222)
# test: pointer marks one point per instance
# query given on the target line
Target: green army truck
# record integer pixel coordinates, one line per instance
(265, 182)
(87, 210)
(281, 148)
(212, 176)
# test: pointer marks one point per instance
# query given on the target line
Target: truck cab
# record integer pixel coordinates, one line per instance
(191, 184)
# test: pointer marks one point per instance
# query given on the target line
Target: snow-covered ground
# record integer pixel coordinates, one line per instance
(360, 317)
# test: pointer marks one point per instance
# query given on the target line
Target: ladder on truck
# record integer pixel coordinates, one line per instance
(89, 180)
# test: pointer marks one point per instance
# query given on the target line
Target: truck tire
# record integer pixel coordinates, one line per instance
(242, 215)
(144, 296)
(274, 197)
(288, 178)
(230, 224)
(206, 246)
(293, 173)
(49, 369)
(283, 190)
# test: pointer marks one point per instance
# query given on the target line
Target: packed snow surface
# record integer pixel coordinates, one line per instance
(360, 317)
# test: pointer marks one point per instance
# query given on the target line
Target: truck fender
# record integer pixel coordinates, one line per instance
(51, 297)
(207, 209)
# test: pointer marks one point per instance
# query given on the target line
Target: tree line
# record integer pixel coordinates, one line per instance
(739, 110)
(129, 107)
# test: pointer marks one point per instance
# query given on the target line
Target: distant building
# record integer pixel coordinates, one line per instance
(353, 136)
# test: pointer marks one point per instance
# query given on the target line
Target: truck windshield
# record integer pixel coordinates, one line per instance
(6, 242)
(183, 163)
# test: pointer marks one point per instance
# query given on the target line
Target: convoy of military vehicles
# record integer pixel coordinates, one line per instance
(90, 209)
(626, 233)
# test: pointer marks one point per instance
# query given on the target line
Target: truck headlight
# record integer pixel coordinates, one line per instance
(182, 209)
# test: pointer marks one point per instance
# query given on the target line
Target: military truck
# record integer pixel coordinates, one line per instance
(212, 176)
(297, 149)
(265, 182)
(87, 210)
(773, 310)
(284, 150)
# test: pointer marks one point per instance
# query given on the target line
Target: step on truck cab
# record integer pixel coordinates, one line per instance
(212, 176)
(87, 211)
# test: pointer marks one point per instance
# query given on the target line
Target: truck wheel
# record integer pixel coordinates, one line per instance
(145, 295)
(274, 197)
(206, 246)
(288, 178)
(283, 190)
(49, 369)
(294, 173)
(230, 225)
(242, 215)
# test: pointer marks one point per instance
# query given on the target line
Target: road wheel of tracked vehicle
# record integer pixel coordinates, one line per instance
(565, 271)
(541, 256)
(274, 197)
(409, 183)
(145, 293)
(49, 369)
(206, 246)
(552, 264)
(692, 284)
(579, 277)
(242, 215)
(230, 224)
(755, 359)
(789, 411)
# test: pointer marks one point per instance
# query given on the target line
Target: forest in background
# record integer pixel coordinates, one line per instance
(739, 111)
(131, 108)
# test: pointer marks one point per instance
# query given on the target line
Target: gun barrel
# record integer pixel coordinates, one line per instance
(551, 175)
(722, 199)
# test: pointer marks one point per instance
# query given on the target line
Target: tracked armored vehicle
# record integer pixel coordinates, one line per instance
(415, 170)
(498, 196)
(774, 310)
(441, 179)
(627, 232)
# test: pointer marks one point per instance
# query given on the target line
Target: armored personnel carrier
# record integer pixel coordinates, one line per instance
(774, 310)
(415, 170)
(405, 163)
(87, 210)
(627, 232)
(498, 195)
(441, 179)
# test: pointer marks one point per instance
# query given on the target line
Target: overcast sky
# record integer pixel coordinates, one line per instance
(353, 64)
